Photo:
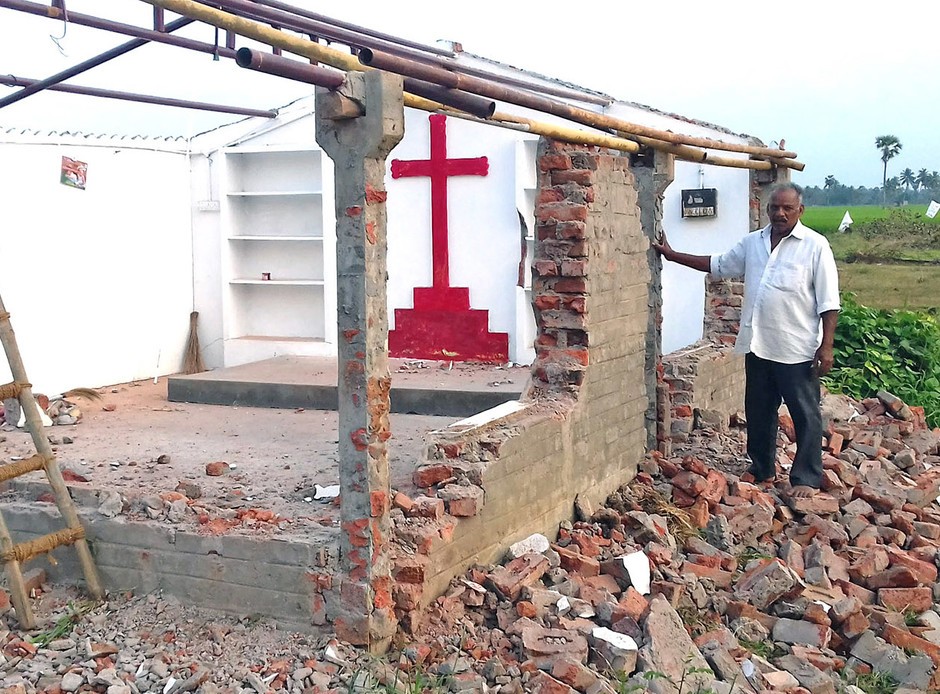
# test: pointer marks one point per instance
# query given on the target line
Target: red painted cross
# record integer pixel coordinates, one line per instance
(439, 168)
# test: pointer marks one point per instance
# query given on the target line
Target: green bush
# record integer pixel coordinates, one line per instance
(897, 351)
(916, 230)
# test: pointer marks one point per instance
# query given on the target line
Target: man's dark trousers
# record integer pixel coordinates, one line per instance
(798, 385)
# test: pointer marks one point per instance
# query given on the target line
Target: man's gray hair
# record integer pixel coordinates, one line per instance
(780, 187)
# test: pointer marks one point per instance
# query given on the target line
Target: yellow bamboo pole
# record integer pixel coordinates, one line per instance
(43, 447)
(344, 61)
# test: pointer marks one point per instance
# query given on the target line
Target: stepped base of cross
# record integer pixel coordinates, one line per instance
(442, 326)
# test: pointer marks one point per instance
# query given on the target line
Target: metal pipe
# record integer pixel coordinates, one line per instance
(295, 18)
(332, 79)
(97, 60)
(464, 101)
(364, 31)
(14, 81)
(537, 102)
(331, 56)
(290, 69)
(117, 27)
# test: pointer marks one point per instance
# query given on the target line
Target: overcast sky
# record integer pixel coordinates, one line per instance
(829, 76)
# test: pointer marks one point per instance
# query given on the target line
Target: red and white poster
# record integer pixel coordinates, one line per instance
(74, 173)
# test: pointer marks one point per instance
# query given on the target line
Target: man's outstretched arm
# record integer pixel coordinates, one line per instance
(703, 263)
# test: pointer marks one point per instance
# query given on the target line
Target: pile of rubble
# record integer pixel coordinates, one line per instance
(60, 410)
(691, 579)
(695, 579)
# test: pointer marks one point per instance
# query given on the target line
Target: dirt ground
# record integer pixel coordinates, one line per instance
(137, 443)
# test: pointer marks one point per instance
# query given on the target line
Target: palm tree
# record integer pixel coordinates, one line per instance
(908, 179)
(890, 147)
(830, 183)
(923, 179)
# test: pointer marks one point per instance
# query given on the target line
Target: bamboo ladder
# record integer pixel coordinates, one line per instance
(14, 555)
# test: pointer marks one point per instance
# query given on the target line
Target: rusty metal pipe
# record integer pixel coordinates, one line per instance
(294, 18)
(464, 101)
(117, 27)
(332, 79)
(353, 28)
(291, 69)
(86, 65)
(13, 81)
(438, 56)
(402, 66)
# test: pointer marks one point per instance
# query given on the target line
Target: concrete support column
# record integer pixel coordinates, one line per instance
(654, 172)
(357, 126)
(761, 183)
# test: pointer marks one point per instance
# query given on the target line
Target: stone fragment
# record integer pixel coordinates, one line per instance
(765, 583)
(904, 599)
(543, 683)
(613, 651)
(670, 651)
(533, 544)
(795, 631)
(574, 673)
(807, 674)
(71, 681)
(217, 468)
(509, 580)
(819, 504)
(914, 671)
(545, 646)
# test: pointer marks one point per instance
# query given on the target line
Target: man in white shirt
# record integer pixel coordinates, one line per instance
(788, 321)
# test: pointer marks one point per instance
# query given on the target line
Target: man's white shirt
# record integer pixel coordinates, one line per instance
(785, 291)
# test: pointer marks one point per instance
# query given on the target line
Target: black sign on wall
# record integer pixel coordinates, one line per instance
(700, 202)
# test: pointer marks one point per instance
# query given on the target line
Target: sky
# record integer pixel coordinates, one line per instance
(829, 76)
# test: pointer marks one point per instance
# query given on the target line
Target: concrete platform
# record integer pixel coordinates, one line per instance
(418, 387)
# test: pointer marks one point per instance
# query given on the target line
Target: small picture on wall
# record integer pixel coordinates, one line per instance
(74, 173)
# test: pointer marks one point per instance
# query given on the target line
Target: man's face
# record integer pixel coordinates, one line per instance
(784, 210)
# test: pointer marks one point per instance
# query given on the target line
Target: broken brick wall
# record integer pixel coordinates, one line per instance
(706, 379)
(581, 428)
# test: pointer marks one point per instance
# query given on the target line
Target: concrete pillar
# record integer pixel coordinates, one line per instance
(358, 126)
(654, 172)
(761, 183)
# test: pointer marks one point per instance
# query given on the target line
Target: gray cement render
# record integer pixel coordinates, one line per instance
(653, 174)
(358, 147)
(232, 574)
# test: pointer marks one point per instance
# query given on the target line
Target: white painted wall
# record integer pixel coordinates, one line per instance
(98, 281)
(483, 223)
(684, 289)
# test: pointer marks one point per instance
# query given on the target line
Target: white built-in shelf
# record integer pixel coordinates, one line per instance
(274, 193)
(273, 237)
(282, 283)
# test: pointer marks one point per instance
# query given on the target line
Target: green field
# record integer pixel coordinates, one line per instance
(826, 220)
(882, 280)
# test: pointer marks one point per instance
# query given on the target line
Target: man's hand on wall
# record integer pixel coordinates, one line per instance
(663, 247)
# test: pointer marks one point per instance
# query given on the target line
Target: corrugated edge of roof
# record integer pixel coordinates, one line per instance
(93, 138)
(592, 92)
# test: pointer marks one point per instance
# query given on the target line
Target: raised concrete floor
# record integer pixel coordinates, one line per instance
(424, 388)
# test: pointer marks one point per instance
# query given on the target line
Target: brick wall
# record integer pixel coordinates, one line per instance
(581, 429)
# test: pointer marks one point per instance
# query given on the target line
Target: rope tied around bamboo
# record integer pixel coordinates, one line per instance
(42, 545)
(21, 467)
(13, 390)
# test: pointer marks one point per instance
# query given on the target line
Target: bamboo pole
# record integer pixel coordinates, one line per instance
(454, 80)
(43, 448)
(344, 61)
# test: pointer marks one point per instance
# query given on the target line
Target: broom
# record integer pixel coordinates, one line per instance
(192, 360)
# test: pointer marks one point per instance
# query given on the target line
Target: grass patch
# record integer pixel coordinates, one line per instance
(765, 649)
(877, 683)
(826, 220)
(887, 286)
